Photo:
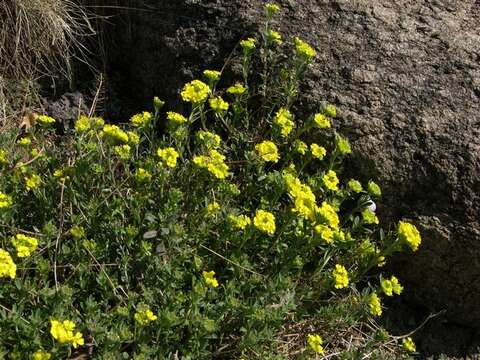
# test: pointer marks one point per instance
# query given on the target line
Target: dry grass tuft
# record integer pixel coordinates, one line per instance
(38, 38)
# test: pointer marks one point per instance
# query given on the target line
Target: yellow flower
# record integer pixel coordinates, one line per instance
(176, 118)
(304, 50)
(374, 305)
(264, 221)
(169, 156)
(133, 138)
(268, 151)
(387, 287)
(284, 120)
(328, 215)
(396, 287)
(41, 355)
(218, 105)
(143, 176)
(248, 44)
(63, 332)
(212, 75)
(214, 163)
(195, 92)
(374, 189)
(45, 120)
(144, 316)
(142, 119)
(32, 182)
(300, 147)
(408, 234)
(240, 221)
(330, 110)
(123, 151)
(326, 234)
(24, 245)
(275, 37)
(330, 180)
(321, 121)
(5, 200)
(343, 145)
(340, 276)
(3, 158)
(304, 198)
(355, 186)
(318, 151)
(78, 232)
(369, 217)
(315, 343)
(7, 266)
(82, 124)
(213, 207)
(158, 103)
(237, 89)
(409, 345)
(209, 139)
(24, 142)
(115, 134)
(271, 9)
(209, 277)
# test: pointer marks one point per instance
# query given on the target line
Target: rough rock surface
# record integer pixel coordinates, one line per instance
(405, 76)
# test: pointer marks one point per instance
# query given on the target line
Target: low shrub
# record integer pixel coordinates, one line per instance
(229, 234)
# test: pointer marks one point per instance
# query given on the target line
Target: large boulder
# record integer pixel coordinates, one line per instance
(405, 76)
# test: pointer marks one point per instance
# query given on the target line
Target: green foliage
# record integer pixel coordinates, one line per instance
(207, 241)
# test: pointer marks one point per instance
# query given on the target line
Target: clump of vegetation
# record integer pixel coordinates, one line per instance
(224, 237)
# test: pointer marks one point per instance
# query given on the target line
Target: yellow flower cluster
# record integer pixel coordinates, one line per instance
(3, 158)
(142, 119)
(369, 217)
(408, 234)
(115, 134)
(239, 221)
(218, 105)
(300, 147)
(303, 196)
(24, 245)
(62, 331)
(32, 182)
(271, 9)
(318, 151)
(326, 233)
(41, 355)
(45, 120)
(354, 185)
(409, 345)
(195, 92)
(84, 123)
(209, 277)
(237, 89)
(5, 200)
(392, 286)
(340, 276)
(212, 75)
(176, 118)
(374, 305)
(7, 266)
(169, 155)
(328, 215)
(214, 162)
(248, 44)
(330, 110)
(321, 121)
(275, 37)
(143, 176)
(78, 232)
(144, 317)
(315, 343)
(123, 151)
(24, 142)
(343, 145)
(373, 189)
(330, 180)
(267, 151)
(304, 50)
(213, 207)
(133, 138)
(284, 120)
(209, 139)
(264, 221)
